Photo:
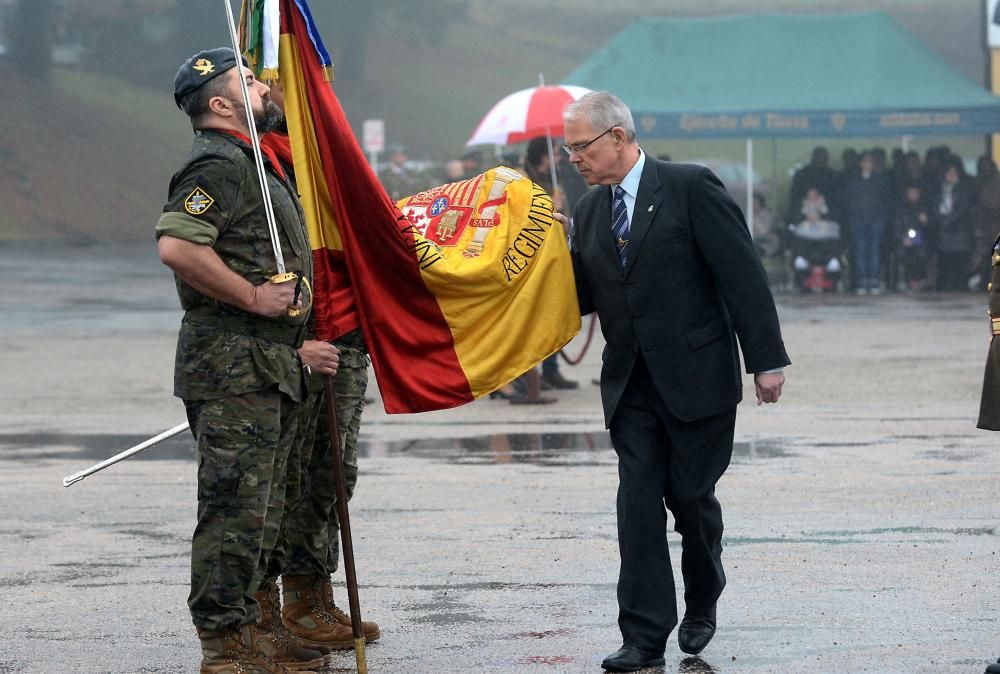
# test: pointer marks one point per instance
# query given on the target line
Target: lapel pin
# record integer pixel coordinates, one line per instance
(650, 209)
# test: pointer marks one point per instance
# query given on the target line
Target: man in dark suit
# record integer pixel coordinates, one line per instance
(662, 254)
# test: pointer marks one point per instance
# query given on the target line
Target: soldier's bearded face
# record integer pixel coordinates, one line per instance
(267, 115)
(266, 118)
(270, 118)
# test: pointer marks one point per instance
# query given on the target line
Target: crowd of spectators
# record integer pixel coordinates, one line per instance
(878, 222)
(402, 177)
(903, 222)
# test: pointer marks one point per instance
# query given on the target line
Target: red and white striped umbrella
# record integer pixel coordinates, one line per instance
(526, 114)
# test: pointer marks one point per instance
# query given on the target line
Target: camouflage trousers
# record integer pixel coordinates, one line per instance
(310, 543)
(243, 446)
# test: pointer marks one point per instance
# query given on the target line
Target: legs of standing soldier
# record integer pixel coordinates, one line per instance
(313, 531)
(298, 514)
(243, 443)
(350, 384)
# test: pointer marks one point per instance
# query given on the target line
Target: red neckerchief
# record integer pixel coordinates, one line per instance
(265, 150)
(281, 144)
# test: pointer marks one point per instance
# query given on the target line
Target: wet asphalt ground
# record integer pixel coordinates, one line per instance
(862, 511)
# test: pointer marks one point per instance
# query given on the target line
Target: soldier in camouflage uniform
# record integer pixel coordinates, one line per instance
(309, 549)
(237, 369)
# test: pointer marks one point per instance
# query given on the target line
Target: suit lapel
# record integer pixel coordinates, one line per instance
(647, 202)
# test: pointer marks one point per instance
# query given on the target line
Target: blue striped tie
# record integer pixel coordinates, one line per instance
(619, 223)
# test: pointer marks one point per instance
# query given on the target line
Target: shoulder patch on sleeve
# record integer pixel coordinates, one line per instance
(198, 202)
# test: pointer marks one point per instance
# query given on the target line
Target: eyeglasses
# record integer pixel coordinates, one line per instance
(580, 147)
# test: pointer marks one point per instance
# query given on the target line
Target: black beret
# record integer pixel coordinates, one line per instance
(200, 68)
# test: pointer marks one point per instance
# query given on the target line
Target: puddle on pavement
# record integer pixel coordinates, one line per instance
(863, 536)
(960, 531)
(541, 449)
(95, 447)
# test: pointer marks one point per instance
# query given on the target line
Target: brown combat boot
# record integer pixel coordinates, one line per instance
(303, 614)
(231, 651)
(275, 640)
(368, 628)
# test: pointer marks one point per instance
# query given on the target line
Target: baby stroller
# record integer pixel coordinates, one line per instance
(815, 249)
(914, 253)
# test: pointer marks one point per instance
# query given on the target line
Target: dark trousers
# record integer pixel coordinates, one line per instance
(665, 463)
(550, 366)
(867, 237)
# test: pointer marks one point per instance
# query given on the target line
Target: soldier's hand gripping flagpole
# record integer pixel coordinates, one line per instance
(347, 545)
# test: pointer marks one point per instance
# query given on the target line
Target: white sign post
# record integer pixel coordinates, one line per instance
(373, 140)
(992, 24)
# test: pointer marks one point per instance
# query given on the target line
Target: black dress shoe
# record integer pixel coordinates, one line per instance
(632, 659)
(993, 669)
(696, 631)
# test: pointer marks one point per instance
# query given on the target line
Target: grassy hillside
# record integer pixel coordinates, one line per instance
(88, 158)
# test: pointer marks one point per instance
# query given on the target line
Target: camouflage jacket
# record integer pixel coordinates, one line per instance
(215, 200)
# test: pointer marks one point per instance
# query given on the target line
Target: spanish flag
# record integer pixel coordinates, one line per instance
(458, 289)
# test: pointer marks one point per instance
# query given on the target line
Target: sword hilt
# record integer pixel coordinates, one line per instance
(300, 281)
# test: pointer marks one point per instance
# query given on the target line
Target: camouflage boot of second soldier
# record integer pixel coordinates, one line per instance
(368, 628)
(231, 651)
(304, 615)
(275, 640)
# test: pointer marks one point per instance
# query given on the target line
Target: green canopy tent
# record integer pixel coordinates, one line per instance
(779, 75)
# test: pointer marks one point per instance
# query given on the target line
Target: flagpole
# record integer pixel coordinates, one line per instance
(344, 519)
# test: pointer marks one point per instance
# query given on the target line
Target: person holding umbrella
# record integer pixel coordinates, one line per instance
(538, 167)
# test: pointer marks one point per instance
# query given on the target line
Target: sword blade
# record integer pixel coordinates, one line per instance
(258, 157)
(121, 456)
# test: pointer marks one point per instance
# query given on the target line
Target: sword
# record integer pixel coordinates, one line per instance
(121, 456)
(282, 276)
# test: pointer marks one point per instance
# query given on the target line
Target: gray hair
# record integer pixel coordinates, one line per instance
(603, 110)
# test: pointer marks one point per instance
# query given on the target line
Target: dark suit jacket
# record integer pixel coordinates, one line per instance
(692, 284)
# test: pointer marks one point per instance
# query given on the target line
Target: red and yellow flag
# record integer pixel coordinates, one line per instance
(458, 290)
